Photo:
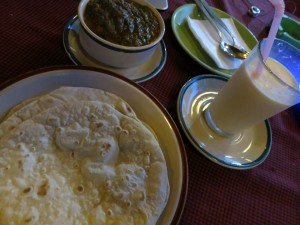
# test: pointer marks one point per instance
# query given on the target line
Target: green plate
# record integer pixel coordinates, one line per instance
(289, 31)
(189, 43)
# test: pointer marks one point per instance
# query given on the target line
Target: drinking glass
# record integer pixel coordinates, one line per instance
(258, 90)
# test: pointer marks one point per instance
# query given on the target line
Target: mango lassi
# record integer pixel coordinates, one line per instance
(252, 95)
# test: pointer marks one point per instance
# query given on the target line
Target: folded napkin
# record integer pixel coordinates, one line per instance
(209, 40)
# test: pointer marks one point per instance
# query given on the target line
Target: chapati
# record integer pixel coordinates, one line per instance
(33, 106)
(86, 161)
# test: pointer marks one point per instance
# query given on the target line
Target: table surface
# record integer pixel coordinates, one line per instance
(31, 38)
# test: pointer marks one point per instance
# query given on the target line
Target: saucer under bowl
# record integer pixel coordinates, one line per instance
(138, 74)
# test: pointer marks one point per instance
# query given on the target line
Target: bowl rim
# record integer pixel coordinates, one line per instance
(99, 40)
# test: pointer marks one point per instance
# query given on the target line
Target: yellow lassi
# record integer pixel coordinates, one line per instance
(252, 95)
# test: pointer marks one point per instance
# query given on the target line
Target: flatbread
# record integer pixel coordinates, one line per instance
(63, 95)
(81, 163)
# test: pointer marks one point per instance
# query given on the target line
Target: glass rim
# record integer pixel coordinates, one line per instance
(297, 90)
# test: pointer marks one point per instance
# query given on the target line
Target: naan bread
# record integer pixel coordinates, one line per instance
(81, 163)
(63, 95)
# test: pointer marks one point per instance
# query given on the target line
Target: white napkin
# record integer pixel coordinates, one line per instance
(209, 40)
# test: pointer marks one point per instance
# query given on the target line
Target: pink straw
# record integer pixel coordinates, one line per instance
(279, 11)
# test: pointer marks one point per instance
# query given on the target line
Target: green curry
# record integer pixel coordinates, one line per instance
(122, 22)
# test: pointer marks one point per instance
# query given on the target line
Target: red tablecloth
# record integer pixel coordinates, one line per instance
(31, 38)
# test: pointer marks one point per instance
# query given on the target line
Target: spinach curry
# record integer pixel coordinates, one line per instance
(122, 22)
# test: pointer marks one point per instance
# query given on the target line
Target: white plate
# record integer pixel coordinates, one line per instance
(138, 74)
(243, 151)
(147, 108)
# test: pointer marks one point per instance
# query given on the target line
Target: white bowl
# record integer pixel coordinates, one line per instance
(113, 54)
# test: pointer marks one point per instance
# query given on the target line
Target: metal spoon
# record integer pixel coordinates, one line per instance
(228, 49)
(219, 21)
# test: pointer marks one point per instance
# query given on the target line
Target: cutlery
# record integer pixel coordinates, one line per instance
(231, 50)
(220, 22)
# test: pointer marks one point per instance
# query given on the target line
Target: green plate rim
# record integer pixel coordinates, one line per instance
(189, 43)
